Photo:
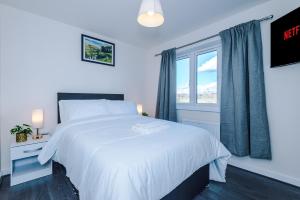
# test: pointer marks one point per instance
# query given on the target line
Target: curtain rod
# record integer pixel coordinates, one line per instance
(212, 36)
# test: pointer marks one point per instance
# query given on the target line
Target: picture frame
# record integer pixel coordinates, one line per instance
(97, 51)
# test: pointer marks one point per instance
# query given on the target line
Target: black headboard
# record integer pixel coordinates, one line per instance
(85, 96)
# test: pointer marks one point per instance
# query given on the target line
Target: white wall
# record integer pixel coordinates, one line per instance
(40, 57)
(282, 93)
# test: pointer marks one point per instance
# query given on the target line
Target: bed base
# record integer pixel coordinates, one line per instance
(191, 187)
(187, 190)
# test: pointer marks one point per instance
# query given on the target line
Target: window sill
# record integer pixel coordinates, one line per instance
(200, 108)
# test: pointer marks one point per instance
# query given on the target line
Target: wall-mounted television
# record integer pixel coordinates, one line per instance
(285, 39)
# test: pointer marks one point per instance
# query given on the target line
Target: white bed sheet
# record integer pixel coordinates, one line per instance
(106, 160)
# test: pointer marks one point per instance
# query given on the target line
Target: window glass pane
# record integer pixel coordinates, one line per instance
(207, 77)
(183, 80)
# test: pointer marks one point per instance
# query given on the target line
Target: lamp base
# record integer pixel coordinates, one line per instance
(37, 137)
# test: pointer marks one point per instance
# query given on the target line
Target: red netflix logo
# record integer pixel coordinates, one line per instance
(291, 32)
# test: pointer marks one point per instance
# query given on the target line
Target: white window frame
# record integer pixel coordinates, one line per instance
(192, 53)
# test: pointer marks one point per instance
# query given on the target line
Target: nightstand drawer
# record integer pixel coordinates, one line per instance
(26, 151)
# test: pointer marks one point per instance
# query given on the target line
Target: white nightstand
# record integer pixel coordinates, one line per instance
(24, 163)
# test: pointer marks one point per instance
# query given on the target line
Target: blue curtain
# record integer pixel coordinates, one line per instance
(166, 96)
(244, 121)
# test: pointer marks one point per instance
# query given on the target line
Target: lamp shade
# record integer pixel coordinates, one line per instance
(151, 13)
(37, 118)
(139, 108)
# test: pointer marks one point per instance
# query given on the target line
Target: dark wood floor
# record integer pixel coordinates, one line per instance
(240, 185)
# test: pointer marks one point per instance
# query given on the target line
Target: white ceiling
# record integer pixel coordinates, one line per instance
(117, 18)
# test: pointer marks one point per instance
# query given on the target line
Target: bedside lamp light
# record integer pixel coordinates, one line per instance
(37, 120)
(139, 108)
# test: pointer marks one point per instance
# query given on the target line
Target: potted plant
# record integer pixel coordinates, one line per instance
(21, 132)
(145, 114)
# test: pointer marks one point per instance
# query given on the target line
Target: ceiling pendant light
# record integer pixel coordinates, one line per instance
(151, 14)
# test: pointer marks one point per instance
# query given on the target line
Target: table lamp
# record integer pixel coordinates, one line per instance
(37, 120)
(139, 108)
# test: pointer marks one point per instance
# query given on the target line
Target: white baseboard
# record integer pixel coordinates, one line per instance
(271, 174)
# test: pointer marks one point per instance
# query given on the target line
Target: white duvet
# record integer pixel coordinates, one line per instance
(105, 159)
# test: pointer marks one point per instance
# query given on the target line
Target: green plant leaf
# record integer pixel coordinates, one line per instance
(25, 128)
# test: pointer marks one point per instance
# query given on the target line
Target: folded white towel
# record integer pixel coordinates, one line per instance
(151, 127)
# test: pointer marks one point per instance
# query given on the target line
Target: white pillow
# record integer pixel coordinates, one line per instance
(79, 109)
(116, 107)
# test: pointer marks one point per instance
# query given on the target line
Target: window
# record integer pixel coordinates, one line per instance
(183, 80)
(198, 82)
(207, 64)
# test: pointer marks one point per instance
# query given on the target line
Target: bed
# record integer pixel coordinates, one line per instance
(106, 158)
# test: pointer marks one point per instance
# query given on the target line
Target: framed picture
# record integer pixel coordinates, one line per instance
(97, 51)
